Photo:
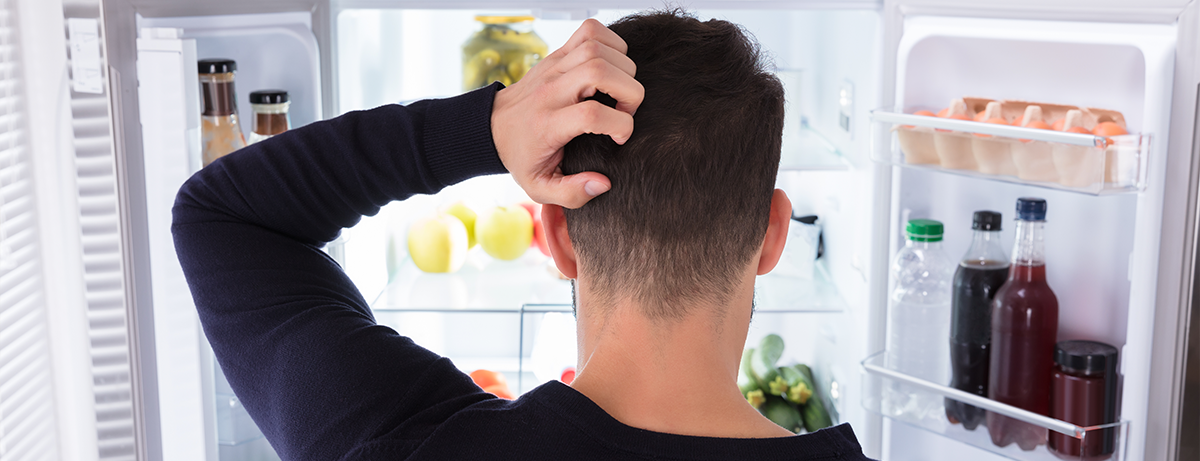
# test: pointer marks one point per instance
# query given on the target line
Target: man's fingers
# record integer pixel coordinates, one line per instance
(600, 75)
(569, 191)
(592, 29)
(593, 117)
(593, 49)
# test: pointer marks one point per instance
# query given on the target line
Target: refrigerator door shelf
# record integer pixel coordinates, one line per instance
(876, 376)
(485, 284)
(1074, 162)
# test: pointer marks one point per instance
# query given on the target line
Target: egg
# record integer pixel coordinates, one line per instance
(1108, 129)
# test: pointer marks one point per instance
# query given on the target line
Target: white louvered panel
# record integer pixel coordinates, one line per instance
(27, 412)
(104, 275)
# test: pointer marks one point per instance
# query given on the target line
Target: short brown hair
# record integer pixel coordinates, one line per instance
(691, 189)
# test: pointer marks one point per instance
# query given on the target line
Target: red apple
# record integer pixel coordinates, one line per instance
(539, 233)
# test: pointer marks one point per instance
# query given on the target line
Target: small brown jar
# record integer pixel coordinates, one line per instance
(1083, 392)
(270, 109)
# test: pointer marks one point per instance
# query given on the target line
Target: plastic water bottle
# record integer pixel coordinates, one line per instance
(919, 323)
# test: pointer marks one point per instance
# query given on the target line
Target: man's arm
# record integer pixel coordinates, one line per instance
(295, 338)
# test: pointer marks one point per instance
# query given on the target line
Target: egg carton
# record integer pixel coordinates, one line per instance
(991, 146)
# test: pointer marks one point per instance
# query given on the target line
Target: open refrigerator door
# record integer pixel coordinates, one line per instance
(1111, 207)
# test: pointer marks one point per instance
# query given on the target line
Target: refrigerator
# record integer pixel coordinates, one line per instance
(1120, 247)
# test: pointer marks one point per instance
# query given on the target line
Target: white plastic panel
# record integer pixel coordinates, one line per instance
(168, 103)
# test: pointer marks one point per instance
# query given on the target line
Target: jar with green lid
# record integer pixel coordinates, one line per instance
(502, 50)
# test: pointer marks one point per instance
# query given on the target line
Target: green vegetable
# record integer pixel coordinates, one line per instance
(745, 382)
(815, 416)
(781, 412)
(756, 398)
(807, 371)
(762, 364)
(814, 413)
(799, 387)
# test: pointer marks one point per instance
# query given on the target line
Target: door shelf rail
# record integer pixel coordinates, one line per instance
(1076, 162)
(877, 377)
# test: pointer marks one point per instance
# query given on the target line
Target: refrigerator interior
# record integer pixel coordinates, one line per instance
(503, 315)
(491, 315)
(1101, 251)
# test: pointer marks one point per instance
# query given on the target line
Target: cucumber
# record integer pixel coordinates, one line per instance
(814, 415)
(762, 364)
(781, 412)
(745, 382)
(799, 387)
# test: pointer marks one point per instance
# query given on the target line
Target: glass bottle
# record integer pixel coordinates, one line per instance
(270, 108)
(919, 322)
(1024, 330)
(219, 130)
(502, 50)
(979, 275)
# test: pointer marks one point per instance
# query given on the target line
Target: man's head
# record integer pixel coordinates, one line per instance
(692, 188)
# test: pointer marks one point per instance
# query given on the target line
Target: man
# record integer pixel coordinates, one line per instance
(664, 300)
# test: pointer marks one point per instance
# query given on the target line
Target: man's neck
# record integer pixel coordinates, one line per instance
(678, 376)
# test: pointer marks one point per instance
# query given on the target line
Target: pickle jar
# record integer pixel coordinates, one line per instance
(502, 50)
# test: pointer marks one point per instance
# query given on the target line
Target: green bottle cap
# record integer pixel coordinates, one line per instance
(924, 230)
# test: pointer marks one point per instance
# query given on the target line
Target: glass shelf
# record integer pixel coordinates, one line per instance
(877, 377)
(807, 149)
(531, 284)
(1045, 158)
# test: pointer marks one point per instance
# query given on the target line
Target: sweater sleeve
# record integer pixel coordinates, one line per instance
(294, 336)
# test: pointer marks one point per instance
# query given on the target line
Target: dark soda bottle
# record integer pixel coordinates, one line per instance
(980, 274)
(1024, 330)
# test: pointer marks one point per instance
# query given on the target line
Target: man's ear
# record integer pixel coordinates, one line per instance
(777, 232)
(554, 223)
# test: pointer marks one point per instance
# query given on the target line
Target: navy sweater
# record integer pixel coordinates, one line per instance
(298, 342)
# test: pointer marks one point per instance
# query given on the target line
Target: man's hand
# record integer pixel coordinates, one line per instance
(534, 118)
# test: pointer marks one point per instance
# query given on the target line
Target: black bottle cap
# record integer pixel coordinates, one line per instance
(216, 66)
(986, 220)
(1087, 357)
(1031, 209)
(268, 97)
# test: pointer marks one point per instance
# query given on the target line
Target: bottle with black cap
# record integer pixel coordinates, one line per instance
(219, 129)
(1084, 393)
(979, 275)
(270, 109)
(1024, 330)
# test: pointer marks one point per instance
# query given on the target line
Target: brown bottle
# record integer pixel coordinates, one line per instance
(220, 133)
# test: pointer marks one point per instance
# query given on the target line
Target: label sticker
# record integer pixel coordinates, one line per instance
(83, 36)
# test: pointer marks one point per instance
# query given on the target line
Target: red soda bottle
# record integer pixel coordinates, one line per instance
(1024, 331)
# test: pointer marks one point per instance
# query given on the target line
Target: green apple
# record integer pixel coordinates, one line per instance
(465, 214)
(438, 243)
(505, 232)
